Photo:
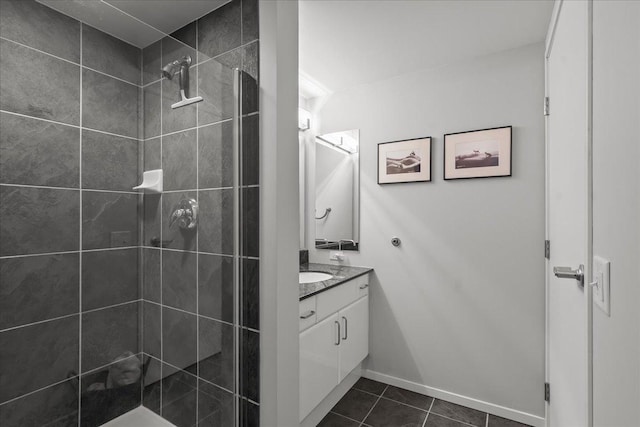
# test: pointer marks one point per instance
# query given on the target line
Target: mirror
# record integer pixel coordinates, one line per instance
(337, 190)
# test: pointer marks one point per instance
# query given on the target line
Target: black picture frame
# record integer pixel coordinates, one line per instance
(474, 166)
(402, 170)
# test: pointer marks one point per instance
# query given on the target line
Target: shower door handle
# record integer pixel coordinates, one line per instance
(569, 273)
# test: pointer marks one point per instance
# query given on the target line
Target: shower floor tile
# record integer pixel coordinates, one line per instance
(396, 407)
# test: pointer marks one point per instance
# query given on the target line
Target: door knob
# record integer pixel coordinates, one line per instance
(569, 273)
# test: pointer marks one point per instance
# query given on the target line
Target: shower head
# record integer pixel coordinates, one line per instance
(174, 67)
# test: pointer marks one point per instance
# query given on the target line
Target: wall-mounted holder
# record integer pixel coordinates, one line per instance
(151, 181)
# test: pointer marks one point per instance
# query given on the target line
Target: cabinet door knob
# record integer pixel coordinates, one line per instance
(307, 314)
(345, 328)
(365, 286)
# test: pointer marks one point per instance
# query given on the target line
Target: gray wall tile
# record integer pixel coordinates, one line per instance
(215, 287)
(179, 337)
(215, 406)
(179, 397)
(216, 221)
(40, 27)
(152, 205)
(107, 334)
(215, 155)
(186, 35)
(250, 221)
(39, 85)
(250, 293)
(38, 288)
(176, 237)
(220, 30)
(26, 370)
(215, 85)
(38, 220)
(151, 63)
(152, 112)
(179, 285)
(56, 405)
(105, 213)
(216, 353)
(251, 150)
(179, 160)
(110, 55)
(36, 152)
(151, 329)
(152, 381)
(249, 20)
(109, 162)
(250, 384)
(109, 105)
(109, 277)
(152, 154)
(151, 274)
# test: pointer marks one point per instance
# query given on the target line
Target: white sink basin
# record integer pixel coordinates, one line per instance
(313, 276)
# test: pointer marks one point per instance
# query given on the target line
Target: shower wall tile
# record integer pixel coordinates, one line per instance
(250, 59)
(251, 293)
(249, 94)
(249, 20)
(109, 277)
(250, 221)
(215, 86)
(215, 287)
(152, 205)
(152, 110)
(37, 152)
(215, 155)
(179, 338)
(109, 104)
(107, 334)
(182, 118)
(179, 280)
(40, 27)
(26, 370)
(152, 381)
(38, 220)
(249, 414)
(251, 150)
(215, 406)
(216, 353)
(174, 49)
(151, 63)
(174, 236)
(179, 397)
(110, 55)
(109, 162)
(250, 384)
(179, 160)
(187, 35)
(220, 30)
(27, 84)
(152, 328)
(152, 154)
(99, 405)
(56, 406)
(38, 288)
(104, 214)
(151, 274)
(216, 221)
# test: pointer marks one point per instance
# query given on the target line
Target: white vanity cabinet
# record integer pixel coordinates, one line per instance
(336, 342)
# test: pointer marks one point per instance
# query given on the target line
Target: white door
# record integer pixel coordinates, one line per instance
(568, 303)
(354, 344)
(318, 363)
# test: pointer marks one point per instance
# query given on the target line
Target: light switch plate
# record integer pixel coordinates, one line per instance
(601, 290)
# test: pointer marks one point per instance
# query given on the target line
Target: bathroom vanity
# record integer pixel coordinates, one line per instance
(334, 329)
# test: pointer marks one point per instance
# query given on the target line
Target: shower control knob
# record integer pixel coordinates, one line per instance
(395, 241)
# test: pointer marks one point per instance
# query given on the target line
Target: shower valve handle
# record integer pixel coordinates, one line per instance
(185, 213)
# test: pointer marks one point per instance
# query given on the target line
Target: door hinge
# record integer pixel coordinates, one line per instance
(547, 392)
(546, 105)
(547, 249)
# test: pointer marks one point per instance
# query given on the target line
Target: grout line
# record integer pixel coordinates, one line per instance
(344, 416)
(197, 127)
(237, 48)
(374, 405)
(93, 310)
(39, 389)
(424, 423)
(487, 423)
(197, 245)
(452, 419)
(161, 252)
(46, 187)
(72, 125)
(80, 239)
(406, 404)
(112, 76)
(53, 319)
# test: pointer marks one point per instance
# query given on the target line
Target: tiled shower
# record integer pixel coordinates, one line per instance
(103, 306)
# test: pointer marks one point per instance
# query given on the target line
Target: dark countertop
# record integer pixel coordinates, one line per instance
(341, 273)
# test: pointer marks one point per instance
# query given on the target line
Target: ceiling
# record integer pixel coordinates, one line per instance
(138, 22)
(345, 43)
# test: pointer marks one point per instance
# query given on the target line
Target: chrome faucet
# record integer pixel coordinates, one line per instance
(185, 213)
(353, 242)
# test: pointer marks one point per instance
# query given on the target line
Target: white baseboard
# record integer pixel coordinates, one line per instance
(323, 408)
(469, 402)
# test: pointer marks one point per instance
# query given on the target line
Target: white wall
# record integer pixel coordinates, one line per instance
(616, 210)
(459, 306)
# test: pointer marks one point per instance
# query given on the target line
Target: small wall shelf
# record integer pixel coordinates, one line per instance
(151, 181)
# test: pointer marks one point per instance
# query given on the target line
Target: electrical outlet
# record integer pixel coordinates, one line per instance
(601, 289)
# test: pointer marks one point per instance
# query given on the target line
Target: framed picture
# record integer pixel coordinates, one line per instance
(408, 160)
(481, 153)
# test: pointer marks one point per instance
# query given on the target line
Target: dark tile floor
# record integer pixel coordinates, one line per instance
(375, 404)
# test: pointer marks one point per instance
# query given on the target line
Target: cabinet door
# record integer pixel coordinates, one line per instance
(318, 363)
(354, 343)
